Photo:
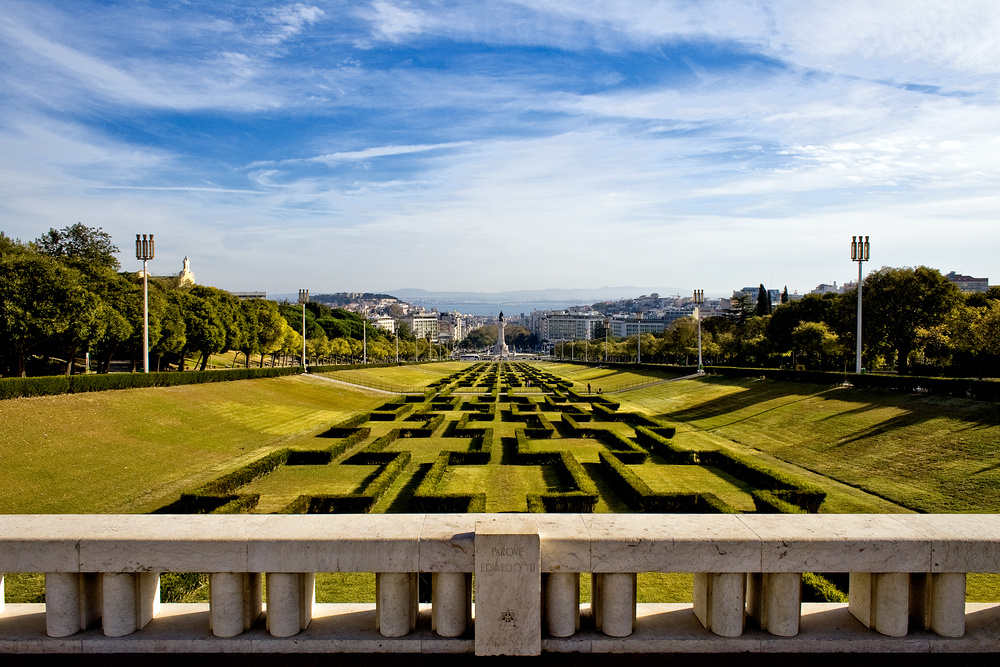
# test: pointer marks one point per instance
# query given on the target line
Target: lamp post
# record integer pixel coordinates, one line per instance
(859, 254)
(397, 341)
(607, 323)
(364, 336)
(699, 298)
(303, 299)
(144, 250)
(638, 338)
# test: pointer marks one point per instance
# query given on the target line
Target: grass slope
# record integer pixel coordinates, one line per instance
(138, 449)
(926, 453)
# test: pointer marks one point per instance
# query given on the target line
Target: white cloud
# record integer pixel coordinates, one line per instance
(394, 22)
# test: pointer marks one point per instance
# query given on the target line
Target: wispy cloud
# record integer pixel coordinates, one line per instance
(541, 143)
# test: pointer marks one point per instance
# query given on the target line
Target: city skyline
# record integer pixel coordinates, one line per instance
(380, 145)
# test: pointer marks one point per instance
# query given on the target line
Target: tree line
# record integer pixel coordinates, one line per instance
(63, 297)
(913, 320)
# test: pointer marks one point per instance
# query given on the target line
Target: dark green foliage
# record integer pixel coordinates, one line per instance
(638, 493)
(817, 588)
(246, 474)
(767, 502)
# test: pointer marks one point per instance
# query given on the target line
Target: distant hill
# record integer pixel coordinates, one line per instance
(583, 296)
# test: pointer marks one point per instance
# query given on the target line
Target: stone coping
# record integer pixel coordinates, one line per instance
(349, 628)
(445, 543)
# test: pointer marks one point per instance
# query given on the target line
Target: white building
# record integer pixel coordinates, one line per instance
(562, 325)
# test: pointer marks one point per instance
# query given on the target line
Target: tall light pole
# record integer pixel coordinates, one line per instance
(364, 336)
(607, 323)
(699, 298)
(303, 299)
(859, 254)
(397, 341)
(144, 250)
(638, 338)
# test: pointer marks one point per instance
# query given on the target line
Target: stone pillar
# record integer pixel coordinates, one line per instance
(612, 602)
(450, 600)
(147, 598)
(881, 601)
(395, 594)
(62, 604)
(290, 599)
(720, 602)
(119, 609)
(562, 603)
(774, 600)
(235, 602)
(508, 586)
(947, 604)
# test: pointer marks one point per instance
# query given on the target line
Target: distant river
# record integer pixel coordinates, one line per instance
(492, 309)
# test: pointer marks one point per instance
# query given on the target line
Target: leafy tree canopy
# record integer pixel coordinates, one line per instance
(81, 245)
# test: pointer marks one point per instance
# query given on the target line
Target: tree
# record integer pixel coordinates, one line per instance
(816, 341)
(40, 300)
(763, 302)
(784, 295)
(899, 301)
(976, 331)
(80, 245)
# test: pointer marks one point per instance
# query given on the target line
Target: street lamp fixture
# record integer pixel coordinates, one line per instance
(144, 250)
(607, 324)
(699, 298)
(859, 253)
(303, 299)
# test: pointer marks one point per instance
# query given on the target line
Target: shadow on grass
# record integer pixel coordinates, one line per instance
(401, 503)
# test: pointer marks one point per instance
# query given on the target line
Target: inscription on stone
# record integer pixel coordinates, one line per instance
(508, 586)
(501, 565)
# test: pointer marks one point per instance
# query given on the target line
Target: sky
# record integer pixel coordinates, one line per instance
(502, 145)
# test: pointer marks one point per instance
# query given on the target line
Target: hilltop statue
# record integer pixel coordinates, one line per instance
(185, 277)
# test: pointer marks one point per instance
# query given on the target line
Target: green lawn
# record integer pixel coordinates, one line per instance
(136, 450)
(287, 483)
(696, 479)
(929, 454)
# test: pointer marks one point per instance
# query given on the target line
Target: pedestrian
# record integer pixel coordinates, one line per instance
(588, 387)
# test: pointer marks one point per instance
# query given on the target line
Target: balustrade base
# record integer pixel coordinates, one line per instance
(350, 628)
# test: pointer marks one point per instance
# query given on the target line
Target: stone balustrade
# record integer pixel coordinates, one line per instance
(907, 583)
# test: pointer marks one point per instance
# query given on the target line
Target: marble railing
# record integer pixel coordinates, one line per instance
(907, 582)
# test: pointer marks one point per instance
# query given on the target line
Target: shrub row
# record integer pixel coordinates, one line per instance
(427, 497)
(983, 390)
(74, 384)
(755, 472)
(638, 493)
(767, 502)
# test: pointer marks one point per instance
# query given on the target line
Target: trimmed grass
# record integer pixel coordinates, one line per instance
(506, 487)
(287, 483)
(402, 376)
(137, 450)
(926, 453)
(697, 479)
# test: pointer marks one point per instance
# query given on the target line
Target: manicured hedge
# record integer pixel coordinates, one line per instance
(75, 384)
(427, 497)
(983, 390)
(639, 494)
(246, 474)
(766, 502)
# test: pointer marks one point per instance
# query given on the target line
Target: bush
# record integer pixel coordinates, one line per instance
(75, 384)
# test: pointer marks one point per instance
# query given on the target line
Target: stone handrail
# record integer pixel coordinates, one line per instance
(907, 582)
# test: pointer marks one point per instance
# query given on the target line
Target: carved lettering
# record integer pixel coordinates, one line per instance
(508, 551)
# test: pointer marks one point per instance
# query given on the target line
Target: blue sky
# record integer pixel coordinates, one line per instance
(487, 146)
